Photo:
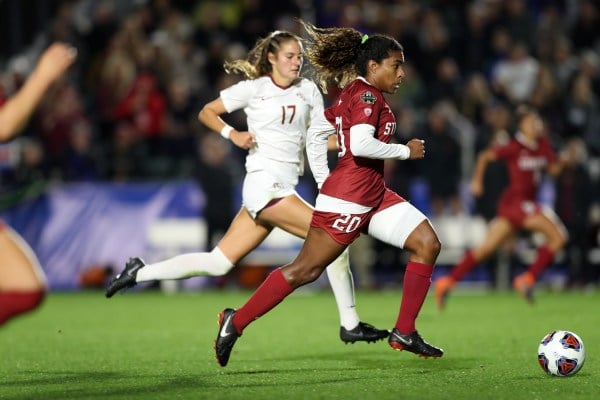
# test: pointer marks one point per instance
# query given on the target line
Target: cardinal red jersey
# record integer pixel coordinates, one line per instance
(526, 166)
(358, 179)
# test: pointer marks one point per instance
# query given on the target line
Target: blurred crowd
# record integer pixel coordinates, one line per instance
(127, 110)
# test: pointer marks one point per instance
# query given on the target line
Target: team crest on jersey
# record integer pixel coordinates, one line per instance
(368, 97)
(368, 111)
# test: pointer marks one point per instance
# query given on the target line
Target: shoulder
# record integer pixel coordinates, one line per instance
(308, 86)
(306, 83)
(364, 93)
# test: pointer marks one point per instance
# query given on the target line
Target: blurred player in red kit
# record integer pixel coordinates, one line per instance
(353, 199)
(22, 282)
(527, 156)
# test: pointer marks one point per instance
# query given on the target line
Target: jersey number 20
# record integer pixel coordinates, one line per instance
(346, 223)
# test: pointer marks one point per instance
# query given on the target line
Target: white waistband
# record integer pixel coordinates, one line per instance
(331, 204)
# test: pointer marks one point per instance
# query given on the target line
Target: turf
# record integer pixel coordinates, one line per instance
(153, 346)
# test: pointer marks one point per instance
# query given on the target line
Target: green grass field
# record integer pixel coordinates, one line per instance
(154, 346)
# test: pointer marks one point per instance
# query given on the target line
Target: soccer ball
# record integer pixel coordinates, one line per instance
(561, 353)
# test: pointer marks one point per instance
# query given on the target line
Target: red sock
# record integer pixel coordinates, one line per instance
(417, 279)
(270, 293)
(15, 303)
(463, 267)
(543, 259)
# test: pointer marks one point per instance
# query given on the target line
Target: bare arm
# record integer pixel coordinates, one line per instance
(17, 110)
(484, 158)
(210, 116)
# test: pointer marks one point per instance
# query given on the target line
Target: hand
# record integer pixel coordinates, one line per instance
(55, 60)
(243, 140)
(476, 188)
(417, 148)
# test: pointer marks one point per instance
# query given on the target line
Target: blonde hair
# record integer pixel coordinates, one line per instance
(257, 64)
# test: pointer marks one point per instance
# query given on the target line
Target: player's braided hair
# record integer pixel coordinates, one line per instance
(256, 64)
(338, 55)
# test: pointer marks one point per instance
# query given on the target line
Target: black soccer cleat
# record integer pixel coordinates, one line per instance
(414, 343)
(125, 279)
(363, 332)
(226, 337)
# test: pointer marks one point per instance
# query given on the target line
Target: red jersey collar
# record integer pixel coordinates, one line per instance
(523, 140)
(279, 86)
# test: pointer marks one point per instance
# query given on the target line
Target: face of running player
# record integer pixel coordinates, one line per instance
(532, 126)
(287, 63)
(387, 75)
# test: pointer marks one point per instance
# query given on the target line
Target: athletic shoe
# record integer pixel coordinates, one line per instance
(442, 286)
(363, 332)
(414, 343)
(523, 284)
(125, 279)
(226, 337)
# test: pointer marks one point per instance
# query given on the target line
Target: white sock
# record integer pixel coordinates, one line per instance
(185, 266)
(340, 279)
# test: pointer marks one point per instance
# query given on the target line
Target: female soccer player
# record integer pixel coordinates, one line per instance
(527, 156)
(282, 109)
(22, 282)
(353, 198)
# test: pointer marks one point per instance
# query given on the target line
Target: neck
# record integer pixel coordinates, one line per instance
(527, 140)
(280, 81)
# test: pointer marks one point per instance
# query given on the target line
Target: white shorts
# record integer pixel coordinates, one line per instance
(394, 224)
(260, 187)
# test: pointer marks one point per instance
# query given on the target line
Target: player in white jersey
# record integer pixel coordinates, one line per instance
(22, 281)
(283, 110)
(354, 199)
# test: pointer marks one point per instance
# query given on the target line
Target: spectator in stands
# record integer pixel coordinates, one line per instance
(573, 205)
(582, 111)
(443, 171)
(514, 78)
(215, 173)
(81, 159)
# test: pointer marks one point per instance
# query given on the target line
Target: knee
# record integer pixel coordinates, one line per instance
(428, 246)
(561, 240)
(301, 274)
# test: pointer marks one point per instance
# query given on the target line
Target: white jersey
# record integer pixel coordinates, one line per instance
(281, 118)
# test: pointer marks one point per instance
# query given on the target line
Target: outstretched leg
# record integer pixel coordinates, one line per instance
(499, 230)
(548, 224)
(243, 236)
(318, 251)
(292, 214)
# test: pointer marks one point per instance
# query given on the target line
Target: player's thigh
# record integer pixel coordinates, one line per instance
(244, 235)
(548, 224)
(498, 231)
(291, 213)
(19, 267)
(318, 251)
